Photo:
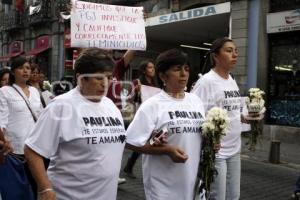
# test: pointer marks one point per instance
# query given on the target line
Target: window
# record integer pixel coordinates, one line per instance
(281, 5)
(284, 79)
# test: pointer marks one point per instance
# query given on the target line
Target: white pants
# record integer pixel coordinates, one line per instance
(226, 184)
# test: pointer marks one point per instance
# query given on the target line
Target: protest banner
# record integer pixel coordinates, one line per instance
(107, 26)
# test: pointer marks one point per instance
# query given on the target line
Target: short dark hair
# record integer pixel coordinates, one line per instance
(93, 60)
(216, 46)
(167, 59)
(16, 62)
(34, 66)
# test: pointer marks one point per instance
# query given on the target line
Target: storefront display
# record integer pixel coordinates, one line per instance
(284, 79)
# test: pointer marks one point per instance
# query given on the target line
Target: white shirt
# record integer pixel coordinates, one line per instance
(47, 96)
(84, 141)
(224, 93)
(164, 179)
(15, 116)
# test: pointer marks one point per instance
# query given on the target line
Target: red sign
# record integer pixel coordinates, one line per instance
(20, 5)
(41, 45)
(67, 39)
(68, 64)
(42, 42)
(16, 47)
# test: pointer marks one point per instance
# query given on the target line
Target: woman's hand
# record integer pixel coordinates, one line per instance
(158, 138)
(244, 120)
(217, 147)
(5, 147)
(161, 140)
(177, 155)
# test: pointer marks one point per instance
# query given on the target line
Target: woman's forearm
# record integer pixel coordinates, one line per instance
(149, 149)
(37, 168)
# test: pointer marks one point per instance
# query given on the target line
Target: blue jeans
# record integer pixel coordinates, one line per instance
(226, 185)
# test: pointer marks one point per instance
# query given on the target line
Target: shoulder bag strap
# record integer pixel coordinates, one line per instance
(42, 100)
(32, 113)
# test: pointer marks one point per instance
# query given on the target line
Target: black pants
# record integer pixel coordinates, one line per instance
(131, 161)
(29, 176)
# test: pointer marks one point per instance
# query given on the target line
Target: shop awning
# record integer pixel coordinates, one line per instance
(37, 51)
(41, 45)
(6, 58)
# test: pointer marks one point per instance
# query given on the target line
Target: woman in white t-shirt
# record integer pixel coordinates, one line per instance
(169, 170)
(83, 135)
(218, 88)
(15, 116)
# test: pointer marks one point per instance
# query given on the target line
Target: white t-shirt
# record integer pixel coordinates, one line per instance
(15, 116)
(164, 179)
(84, 141)
(217, 91)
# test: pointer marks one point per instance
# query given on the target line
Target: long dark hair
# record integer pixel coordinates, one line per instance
(215, 49)
(142, 67)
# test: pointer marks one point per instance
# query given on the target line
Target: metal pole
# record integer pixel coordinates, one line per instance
(253, 28)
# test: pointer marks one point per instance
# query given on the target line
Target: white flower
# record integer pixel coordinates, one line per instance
(255, 101)
(254, 90)
(217, 122)
(247, 100)
(262, 103)
(47, 85)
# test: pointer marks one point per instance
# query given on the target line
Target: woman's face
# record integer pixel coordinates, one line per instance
(96, 85)
(150, 70)
(22, 73)
(176, 78)
(227, 56)
(4, 80)
(41, 77)
(34, 76)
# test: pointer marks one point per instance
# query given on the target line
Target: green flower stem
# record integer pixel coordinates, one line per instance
(256, 132)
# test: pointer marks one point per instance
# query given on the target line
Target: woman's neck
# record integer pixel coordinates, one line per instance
(35, 84)
(176, 94)
(148, 79)
(22, 85)
(221, 71)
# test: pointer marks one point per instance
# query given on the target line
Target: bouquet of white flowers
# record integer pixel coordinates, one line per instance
(214, 127)
(255, 102)
(47, 86)
(256, 109)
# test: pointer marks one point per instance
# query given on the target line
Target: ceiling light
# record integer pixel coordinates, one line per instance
(194, 47)
(208, 44)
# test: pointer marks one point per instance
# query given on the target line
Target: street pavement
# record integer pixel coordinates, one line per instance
(260, 179)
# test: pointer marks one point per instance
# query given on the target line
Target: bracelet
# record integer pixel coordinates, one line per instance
(45, 190)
